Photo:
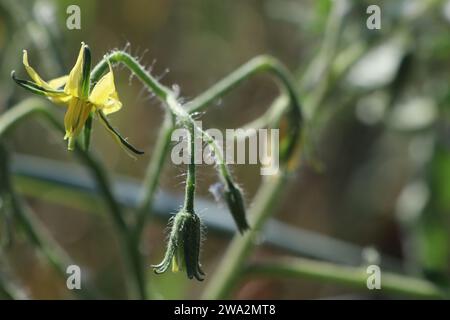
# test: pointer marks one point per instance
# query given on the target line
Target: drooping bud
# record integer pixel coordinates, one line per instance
(231, 194)
(235, 202)
(183, 248)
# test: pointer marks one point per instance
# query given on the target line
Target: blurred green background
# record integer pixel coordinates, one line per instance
(377, 103)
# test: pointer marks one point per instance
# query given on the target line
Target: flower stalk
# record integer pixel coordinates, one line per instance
(183, 248)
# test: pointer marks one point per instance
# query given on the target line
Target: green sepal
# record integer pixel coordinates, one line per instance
(235, 202)
(35, 88)
(87, 131)
(86, 75)
(117, 136)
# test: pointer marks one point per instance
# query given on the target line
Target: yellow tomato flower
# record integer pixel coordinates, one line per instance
(75, 91)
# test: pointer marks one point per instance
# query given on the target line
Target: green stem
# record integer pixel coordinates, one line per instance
(225, 277)
(256, 65)
(119, 56)
(260, 64)
(9, 291)
(320, 67)
(190, 178)
(355, 277)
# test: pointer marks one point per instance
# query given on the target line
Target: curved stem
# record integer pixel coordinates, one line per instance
(119, 56)
(166, 95)
(256, 65)
(227, 274)
(355, 277)
(259, 64)
(262, 63)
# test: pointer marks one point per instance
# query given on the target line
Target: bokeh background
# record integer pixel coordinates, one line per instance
(378, 175)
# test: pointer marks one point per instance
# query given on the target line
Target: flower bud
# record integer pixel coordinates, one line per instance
(232, 196)
(235, 201)
(183, 248)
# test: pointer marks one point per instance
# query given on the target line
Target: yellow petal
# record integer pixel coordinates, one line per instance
(32, 73)
(75, 118)
(175, 266)
(58, 82)
(104, 95)
(73, 85)
(112, 105)
(51, 85)
(59, 99)
(103, 90)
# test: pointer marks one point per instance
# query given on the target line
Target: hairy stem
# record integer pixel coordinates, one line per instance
(119, 56)
(183, 116)
(190, 178)
(169, 98)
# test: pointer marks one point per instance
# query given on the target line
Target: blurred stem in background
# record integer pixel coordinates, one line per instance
(153, 173)
(35, 232)
(328, 69)
(33, 107)
(29, 23)
(355, 277)
(434, 222)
